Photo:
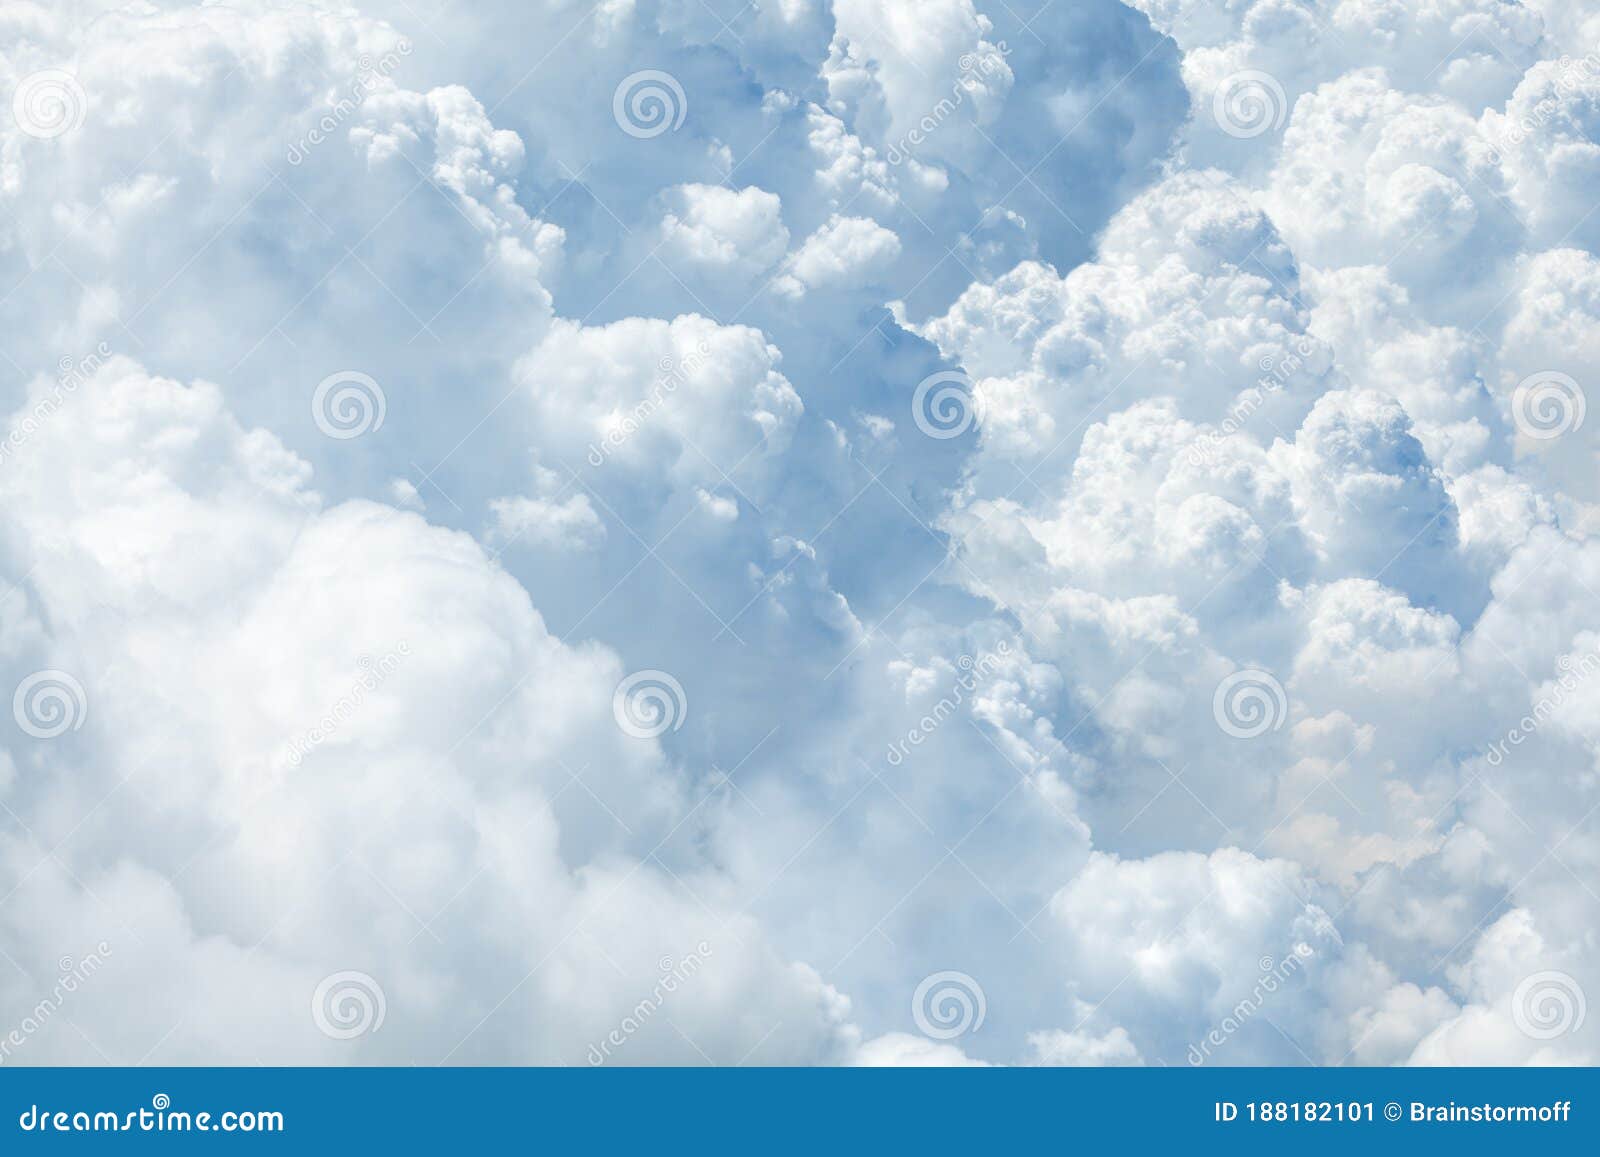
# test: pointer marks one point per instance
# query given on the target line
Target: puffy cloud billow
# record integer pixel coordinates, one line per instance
(823, 532)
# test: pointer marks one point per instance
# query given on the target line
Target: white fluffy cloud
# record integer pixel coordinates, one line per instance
(410, 752)
(725, 231)
(845, 251)
(1102, 525)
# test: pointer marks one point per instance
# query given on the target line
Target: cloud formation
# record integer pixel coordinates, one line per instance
(822, 533)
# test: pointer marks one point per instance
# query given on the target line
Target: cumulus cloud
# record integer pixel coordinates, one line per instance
(874, 533)
(723, 231)
(845, 251)
(352, 820)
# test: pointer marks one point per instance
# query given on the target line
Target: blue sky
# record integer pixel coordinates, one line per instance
(871, 532)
